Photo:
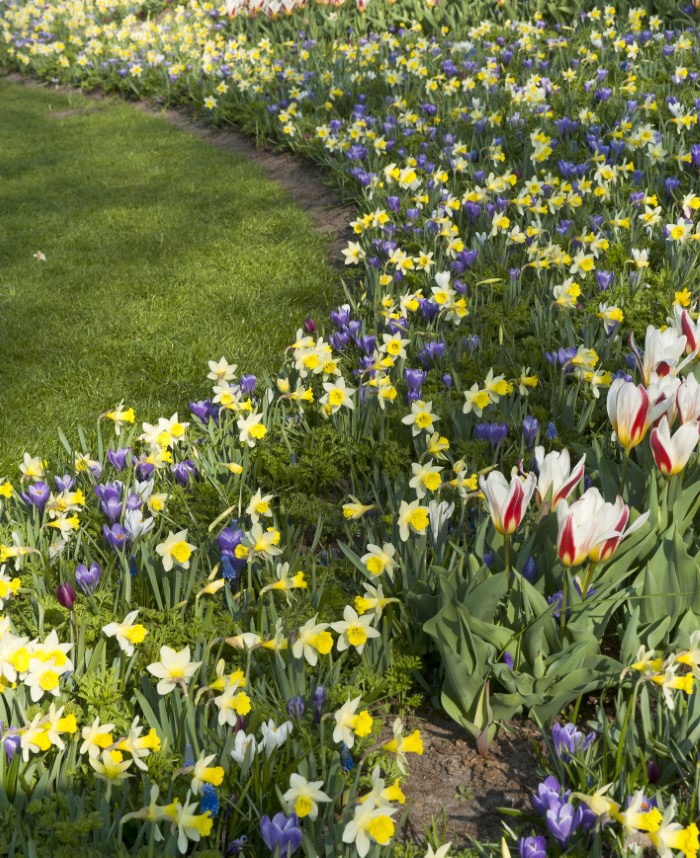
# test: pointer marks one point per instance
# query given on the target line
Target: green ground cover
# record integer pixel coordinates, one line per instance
(160, 250)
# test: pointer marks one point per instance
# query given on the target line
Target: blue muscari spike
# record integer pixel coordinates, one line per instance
(189, 756)
(228, 572)
(346, 760)
(210, 801)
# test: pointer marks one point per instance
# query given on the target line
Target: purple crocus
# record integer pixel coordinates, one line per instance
(64, 483)
(415, 378)
(568, 739)
(247, 383)
(281, 833)
(183, 471)
(562, 821)
(66, 595)
(320, 697)
(531, 427)
(110, 497)
(86, 578)
(36, 495)
(118, 457)
(117, 537)
(532, 847)
(549, 794)
(431, 352)
(295, 707)
(11, 743)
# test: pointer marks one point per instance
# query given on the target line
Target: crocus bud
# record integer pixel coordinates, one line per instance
(653, 773)
(86, 578)
(309, 326)
(531, 427)
(12, 742)
(295, 707)
(66, 595)
(320, 697)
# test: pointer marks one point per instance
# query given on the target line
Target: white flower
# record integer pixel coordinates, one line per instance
(354, 630)
(245, 746)
(304, 796)
(127, 633)
(274, 736)
(175, 549)
(174, 668)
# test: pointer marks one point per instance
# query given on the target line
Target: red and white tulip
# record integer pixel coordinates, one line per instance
(672, 452)
(507, 504)
(556, 480)
(662, 351)
(591, 528)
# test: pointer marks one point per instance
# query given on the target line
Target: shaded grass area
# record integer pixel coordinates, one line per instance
(162, 252)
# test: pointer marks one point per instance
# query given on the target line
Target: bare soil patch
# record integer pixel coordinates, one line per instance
(451, 781)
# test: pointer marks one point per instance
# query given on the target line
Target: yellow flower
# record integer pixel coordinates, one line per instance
(682, 298)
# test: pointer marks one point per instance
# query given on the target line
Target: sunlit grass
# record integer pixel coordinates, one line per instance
(162, 252)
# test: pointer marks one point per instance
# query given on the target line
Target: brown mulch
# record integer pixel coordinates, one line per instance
(451, 781)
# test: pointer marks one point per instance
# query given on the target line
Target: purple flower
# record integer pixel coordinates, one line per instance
(281, 833)
(548, 795)
(568, 740)
(447, 380)
(562, 822)
(295, 707)
(117, 537)
(11, 742)
(64, 483)
(247, 384)
(653, 773)
(431, 352)
(605, 279)
(36, 495)
(531, 427)
(320, 697)
(309, 326)
(532, 847)
(118, 457)
(110, 497)
(182, 471)
(415, 378)
(204, 410)
(530, 570)
(66, 595)
(86, 578)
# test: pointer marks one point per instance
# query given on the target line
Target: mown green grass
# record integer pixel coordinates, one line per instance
(162, 252)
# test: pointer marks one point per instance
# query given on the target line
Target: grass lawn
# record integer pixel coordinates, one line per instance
(162, 252)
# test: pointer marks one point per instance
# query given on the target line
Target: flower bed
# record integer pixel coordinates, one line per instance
(209, 618)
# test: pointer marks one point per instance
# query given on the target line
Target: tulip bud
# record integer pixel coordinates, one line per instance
(66, 595)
